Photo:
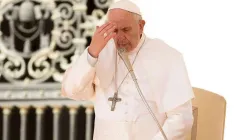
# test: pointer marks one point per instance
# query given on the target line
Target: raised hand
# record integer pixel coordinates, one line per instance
(100, 38)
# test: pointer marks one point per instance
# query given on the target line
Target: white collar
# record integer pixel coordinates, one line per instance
(140, 44)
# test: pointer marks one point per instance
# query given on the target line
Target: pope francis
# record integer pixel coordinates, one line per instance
(161, 74)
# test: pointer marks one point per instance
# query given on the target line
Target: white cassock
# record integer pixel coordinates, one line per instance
(162, 77)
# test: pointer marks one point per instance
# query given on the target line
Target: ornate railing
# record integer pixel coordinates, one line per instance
(39, 39)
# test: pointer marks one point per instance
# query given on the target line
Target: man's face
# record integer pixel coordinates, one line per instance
(129, 29)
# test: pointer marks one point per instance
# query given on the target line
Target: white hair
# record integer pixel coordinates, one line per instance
(137, 17)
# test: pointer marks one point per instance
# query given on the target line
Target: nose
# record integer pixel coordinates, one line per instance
(121, 39)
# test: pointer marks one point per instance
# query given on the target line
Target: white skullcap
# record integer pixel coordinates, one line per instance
(126, 5)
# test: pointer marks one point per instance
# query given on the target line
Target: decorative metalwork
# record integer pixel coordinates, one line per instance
(39, 39)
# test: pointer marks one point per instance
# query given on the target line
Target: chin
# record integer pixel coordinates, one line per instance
(128, 48)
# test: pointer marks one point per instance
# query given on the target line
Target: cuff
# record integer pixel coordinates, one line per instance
(91, 60)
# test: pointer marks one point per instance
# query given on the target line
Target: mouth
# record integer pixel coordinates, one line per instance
(122, 45)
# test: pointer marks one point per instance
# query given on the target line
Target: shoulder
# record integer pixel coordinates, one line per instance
(160, 50)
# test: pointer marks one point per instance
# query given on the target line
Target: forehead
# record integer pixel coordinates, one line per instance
(120, 17)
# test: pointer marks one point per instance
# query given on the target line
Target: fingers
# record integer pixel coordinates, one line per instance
(103, 26)
(111, 29)
(110, 26)
(111, 35)
(108, 30)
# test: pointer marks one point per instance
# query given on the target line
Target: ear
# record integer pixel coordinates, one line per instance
(141, 25)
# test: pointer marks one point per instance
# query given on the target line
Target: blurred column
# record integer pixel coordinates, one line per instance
(89, 112)
(23, 114)
(72, 133)
(56, 113)
(39, 126)
(6, 114)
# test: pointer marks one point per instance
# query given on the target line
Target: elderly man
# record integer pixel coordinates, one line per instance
(160, 71)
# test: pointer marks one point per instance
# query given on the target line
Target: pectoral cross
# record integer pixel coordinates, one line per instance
(114, 99)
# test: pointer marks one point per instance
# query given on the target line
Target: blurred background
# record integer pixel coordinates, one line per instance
(39, 39)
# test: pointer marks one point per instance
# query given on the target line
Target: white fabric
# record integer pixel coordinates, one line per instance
(162, 77)
(167, 74)
(105, 67)
(78, 79)
(92, 61)
(125, 5)
(178, 124)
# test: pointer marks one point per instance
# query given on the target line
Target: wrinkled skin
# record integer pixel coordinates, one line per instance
(124, 27)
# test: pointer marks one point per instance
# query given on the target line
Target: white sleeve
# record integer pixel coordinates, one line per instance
(91, 60)
(178, 124)
(78, 79)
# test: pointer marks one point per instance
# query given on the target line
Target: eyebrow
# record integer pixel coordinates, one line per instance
(127, 27)
(122, 28)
